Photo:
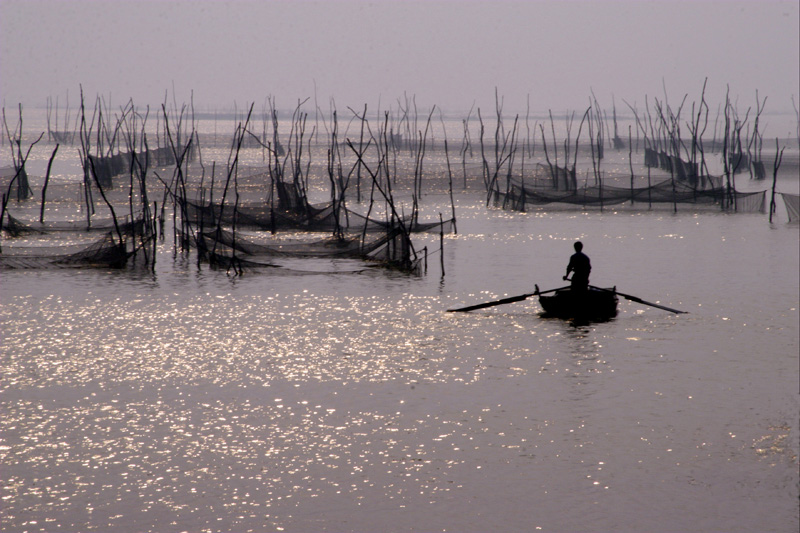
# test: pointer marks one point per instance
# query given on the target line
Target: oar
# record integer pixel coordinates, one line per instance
(509, 300)
(639, 300)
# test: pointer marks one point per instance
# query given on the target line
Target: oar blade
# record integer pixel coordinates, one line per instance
(639, 300)
(509, 300)
(651, 304)
(484, 305)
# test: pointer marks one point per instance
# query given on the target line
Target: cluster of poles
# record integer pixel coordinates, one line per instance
(376, 162)
(736, 138)
(120, 149)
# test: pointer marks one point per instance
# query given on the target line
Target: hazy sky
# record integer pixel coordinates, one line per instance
(451, 54)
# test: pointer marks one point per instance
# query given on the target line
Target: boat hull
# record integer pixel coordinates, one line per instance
(591, 304)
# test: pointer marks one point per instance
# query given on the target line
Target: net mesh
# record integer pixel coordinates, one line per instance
(392, 250)
(670, 191)
(792, 202)
(106, 251)
(14, 183)
(312, 217)
(16, 226)
(346, 246)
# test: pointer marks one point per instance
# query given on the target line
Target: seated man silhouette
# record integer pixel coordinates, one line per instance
(580, 266)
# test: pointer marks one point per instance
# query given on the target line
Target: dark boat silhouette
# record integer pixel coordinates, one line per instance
(591, 304)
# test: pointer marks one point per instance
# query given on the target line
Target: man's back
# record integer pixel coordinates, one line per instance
(580, 266)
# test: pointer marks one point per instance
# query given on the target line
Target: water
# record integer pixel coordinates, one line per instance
(190, 400)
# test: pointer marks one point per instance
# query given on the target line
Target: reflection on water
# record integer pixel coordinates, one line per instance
(186, 399)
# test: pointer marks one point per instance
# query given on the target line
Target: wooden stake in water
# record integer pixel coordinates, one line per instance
(775, 166)
(441, 242)
(47, 180)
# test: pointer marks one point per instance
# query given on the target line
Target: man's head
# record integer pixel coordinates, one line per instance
(578, 246)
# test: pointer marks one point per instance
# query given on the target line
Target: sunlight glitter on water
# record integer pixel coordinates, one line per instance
(320, 402)
(107, 434)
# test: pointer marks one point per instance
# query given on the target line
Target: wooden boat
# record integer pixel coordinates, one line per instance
(592, 304)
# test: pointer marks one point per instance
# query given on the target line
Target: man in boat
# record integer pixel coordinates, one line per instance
(580, 266)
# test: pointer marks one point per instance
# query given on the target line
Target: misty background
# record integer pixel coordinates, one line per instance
(452, 54)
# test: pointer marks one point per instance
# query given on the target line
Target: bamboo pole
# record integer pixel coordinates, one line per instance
(775, 166)
(441, 242)
(630, 159)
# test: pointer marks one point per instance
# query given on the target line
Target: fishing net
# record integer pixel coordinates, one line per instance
(670, 163)
(106, 251)
(668, 191)
(357, 223)
(317, 217)
(14, 183)
(16, 227)
(107, 167)
(346, 246)
(63, 137)
(312, 217)
(792, 202)
(751, 202)
(290, 198)
(224, 249)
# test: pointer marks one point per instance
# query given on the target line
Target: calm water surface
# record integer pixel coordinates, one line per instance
(189, 400)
